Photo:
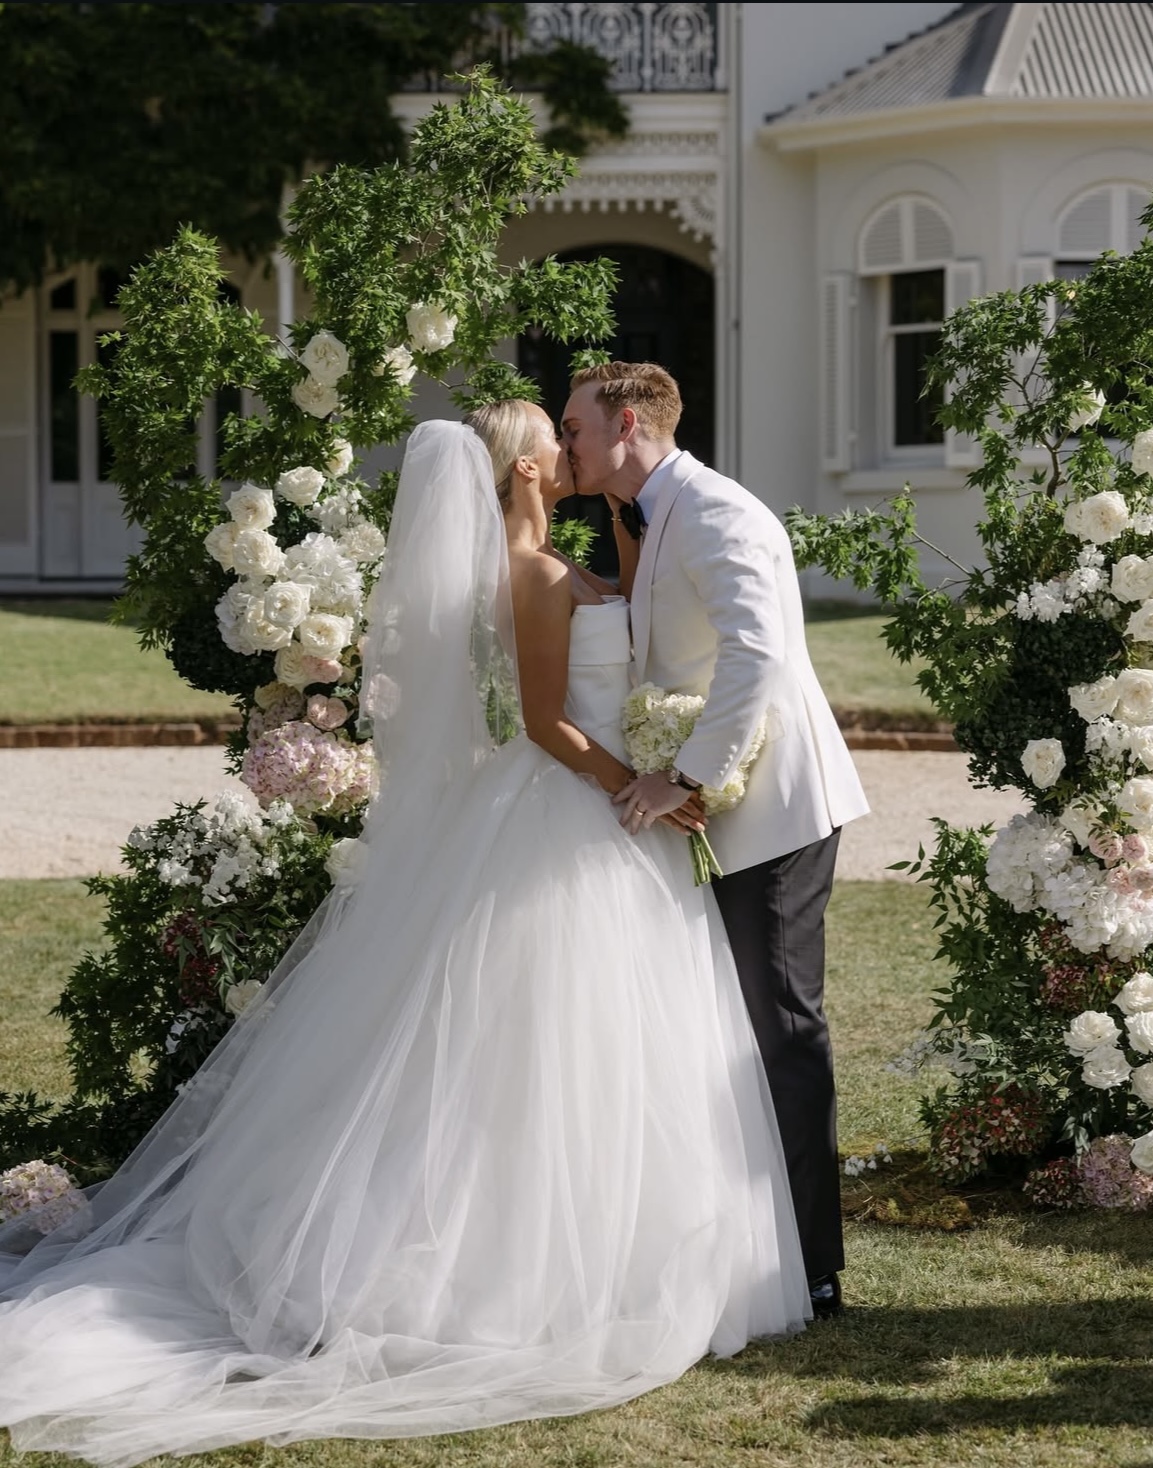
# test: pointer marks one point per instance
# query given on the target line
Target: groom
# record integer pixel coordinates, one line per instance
(716, 611)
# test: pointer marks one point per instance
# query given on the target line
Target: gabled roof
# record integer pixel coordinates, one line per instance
(1040, 51)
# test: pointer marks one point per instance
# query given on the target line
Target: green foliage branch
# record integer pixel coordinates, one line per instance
(1054, 382)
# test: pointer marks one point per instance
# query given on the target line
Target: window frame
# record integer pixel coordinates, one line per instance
(889, 451)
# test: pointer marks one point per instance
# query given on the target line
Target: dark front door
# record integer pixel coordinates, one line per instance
(664, 311)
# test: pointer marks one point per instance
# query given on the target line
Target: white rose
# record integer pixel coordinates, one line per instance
(326, 358)
(1105, 1068)
(1094, 700)
(1101, 518)
(219, 541)
(1132, 578)
(398, 361)
(1140, 1030)
(1043, 760)
(341, 460)
(344, 860)
(1140, 744)
(252, 507)
(290, 666)
(1134, 696)
(231, 614)
(1135, 798)
(1142, 1154)
(241, 995)
(1142, 1082)
(325, 636)
(1090, 411)
(1143, 452)
(259, 633)
(269, 693)
(1140, 624)
(1079, 821)
(1090, 1031)
(286, 603)
(1136, 996)
(256, 553)
(315, 397)
(300, 486)
(430, 327)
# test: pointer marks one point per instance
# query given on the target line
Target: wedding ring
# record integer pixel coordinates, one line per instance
(641, 810)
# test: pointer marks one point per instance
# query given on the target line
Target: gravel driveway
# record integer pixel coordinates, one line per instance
(66, 812)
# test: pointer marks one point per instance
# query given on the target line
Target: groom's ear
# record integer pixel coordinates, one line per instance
(628, 423)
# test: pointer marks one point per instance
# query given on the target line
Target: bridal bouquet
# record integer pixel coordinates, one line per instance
(656, 723)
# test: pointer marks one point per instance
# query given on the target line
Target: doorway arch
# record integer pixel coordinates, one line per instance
(665, 307)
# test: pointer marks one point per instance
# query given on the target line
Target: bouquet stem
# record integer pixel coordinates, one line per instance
(705, 864)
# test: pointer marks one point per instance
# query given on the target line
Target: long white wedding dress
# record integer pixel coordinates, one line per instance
(497, 1143)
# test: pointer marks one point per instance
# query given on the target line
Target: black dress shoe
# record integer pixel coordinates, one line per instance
(825, 1296)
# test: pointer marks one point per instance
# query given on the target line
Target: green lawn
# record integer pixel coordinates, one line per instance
(1023, 1342)
(863, 681)
(63, 662)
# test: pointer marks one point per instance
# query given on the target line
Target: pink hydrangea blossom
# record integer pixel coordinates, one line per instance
(43, 1192)
(327, 713)
(313, 769)
(1109, 1179)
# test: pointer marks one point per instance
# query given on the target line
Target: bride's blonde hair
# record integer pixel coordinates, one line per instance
(507, 431)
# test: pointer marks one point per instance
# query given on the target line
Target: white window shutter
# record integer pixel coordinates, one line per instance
(836, 367)
(18, 469)
(962, 283)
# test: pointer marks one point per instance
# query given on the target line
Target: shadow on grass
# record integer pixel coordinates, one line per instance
(910, 1347)
(841, 611)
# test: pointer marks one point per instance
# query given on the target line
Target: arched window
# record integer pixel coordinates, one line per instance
(1106, 218)
(879, 329)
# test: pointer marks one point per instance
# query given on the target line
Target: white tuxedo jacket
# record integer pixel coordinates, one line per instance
(716, 611)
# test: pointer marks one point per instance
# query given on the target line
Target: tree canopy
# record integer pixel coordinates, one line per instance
(119, 123)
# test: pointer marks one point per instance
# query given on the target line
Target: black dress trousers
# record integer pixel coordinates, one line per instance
(774, 914)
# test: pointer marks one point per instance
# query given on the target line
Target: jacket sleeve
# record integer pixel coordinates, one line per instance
(728, 556)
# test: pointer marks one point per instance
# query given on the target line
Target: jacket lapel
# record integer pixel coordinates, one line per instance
(680, 472)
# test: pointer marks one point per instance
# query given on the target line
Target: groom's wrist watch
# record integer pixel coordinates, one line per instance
(677, 778)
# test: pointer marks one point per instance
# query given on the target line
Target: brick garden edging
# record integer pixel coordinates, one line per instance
(92, 736)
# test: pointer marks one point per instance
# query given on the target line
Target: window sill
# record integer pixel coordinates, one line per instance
(920, 477)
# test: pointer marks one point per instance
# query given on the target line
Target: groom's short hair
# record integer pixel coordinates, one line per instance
(650, 391)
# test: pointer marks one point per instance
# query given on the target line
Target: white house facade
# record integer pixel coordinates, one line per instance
(805, 192)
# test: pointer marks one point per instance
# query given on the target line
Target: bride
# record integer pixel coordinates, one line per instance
(495, 1142)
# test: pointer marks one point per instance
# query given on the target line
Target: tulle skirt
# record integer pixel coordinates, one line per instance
(497, 1144)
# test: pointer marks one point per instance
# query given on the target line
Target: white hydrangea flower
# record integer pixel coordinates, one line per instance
(1142, 456)
(340, 460)
(363, 542)
(255, 553)
(1043, 602)
(1134, 696)
(300, 486)
(251, 507)
(1136, 995)
(315, 397)
(219, 542)
(1090, 1031)
(1132, 578)
(398, 361)
(326, 358)
(1090, 410)
(339, 510)
(430, 327)
(1112, 741)
(1105, 1068)
(1140, 744)
(1043, 760)
(1022, 855)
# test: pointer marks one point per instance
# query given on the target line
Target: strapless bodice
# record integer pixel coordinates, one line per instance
(600, 654)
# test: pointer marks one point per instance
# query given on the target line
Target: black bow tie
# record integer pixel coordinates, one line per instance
(632, 518)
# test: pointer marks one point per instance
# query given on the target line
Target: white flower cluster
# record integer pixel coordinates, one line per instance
(1084, 588)
(41, 1193)
(1095, 1039)
(220, 850)
(302, 602)
(855, 1166)
(656, 723)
